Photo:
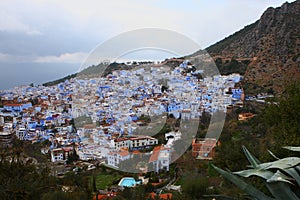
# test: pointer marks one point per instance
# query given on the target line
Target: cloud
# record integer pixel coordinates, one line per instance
(9, 58)
(68, 58)
(77, 57)
(78, 26)
(11, 23)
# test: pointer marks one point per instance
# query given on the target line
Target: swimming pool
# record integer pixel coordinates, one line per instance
(128, 182)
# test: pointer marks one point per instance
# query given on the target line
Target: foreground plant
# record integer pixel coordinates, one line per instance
(279, 176)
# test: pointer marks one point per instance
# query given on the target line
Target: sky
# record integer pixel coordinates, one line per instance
(42, 40)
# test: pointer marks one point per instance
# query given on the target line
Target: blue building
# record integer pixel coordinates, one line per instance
(237, 93)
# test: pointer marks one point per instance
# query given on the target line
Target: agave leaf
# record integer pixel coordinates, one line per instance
(293, 173)
(279, 177)
(282, 164)
(297, 169)
(292, 148)
(249, 189)
(252, 159)
(281, 190)
(265, 174)
(273, 155)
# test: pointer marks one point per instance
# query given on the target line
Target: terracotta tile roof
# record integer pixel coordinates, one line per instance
(166, 196)
(121, 153)
(13, 104)
(154, 156)
(136, 152)
(105, 196)
(155, 153)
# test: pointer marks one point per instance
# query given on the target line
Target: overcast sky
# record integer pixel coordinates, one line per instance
(41, 40)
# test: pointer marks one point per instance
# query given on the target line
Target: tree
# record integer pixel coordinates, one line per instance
(194, 186)
(282, 119)
(73, 157)
(56, 195)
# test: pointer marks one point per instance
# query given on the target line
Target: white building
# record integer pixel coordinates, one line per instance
(61, 154)
(115, 157)
(135, 143)
(21, 133)
(160, 158)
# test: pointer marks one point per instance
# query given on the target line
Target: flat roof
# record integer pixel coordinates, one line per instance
(5, 133)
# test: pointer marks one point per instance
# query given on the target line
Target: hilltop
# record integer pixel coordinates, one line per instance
(266, 51)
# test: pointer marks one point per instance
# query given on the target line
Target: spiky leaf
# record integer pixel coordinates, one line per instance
(293, 173)
(273, 155)
(265, 174)
(249, 189)
(252, 159)
(279, 177)
(282, 164)
(292, 148)
(281, 190)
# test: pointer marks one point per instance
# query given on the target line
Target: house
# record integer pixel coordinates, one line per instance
(245, 116)
(115, 157)
(109, 195)
(21, 133)
(122, 143)
(6, 137)
(166, 196)
(135, 143)
(17, 107)
(142, 142)
(171, 137)
(186, 114)
(160, 158)
(204, 148)
(61, 154)
(238, 93)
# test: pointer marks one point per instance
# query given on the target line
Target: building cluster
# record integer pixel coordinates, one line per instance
(102, 118)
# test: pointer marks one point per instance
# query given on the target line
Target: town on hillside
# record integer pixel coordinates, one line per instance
(111, 119)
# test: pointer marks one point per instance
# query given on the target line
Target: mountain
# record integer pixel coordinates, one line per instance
(267, 51)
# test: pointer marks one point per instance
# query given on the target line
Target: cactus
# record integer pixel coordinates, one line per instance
(278, 183)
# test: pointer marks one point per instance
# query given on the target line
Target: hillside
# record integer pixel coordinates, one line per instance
(268, 48)
(266, 52)
(94, 70)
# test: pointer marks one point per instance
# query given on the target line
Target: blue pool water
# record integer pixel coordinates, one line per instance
(128, 182)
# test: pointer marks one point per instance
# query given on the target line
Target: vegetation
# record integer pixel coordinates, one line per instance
(281, 177)
(231, 66)
(101, 69)
(274, 126)
(73, 157)
(55, 82)
(104, 69)
(23, 180)
(282, 120)
(221, 45)
(195, 186)
(105, 180)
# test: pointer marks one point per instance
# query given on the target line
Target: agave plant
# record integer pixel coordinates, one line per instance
(278, 176)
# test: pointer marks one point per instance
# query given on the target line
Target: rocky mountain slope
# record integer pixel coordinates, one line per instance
(270, 49)
(266, 52)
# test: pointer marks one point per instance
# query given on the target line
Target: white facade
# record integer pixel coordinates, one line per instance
(114, 158)
(21, 133)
